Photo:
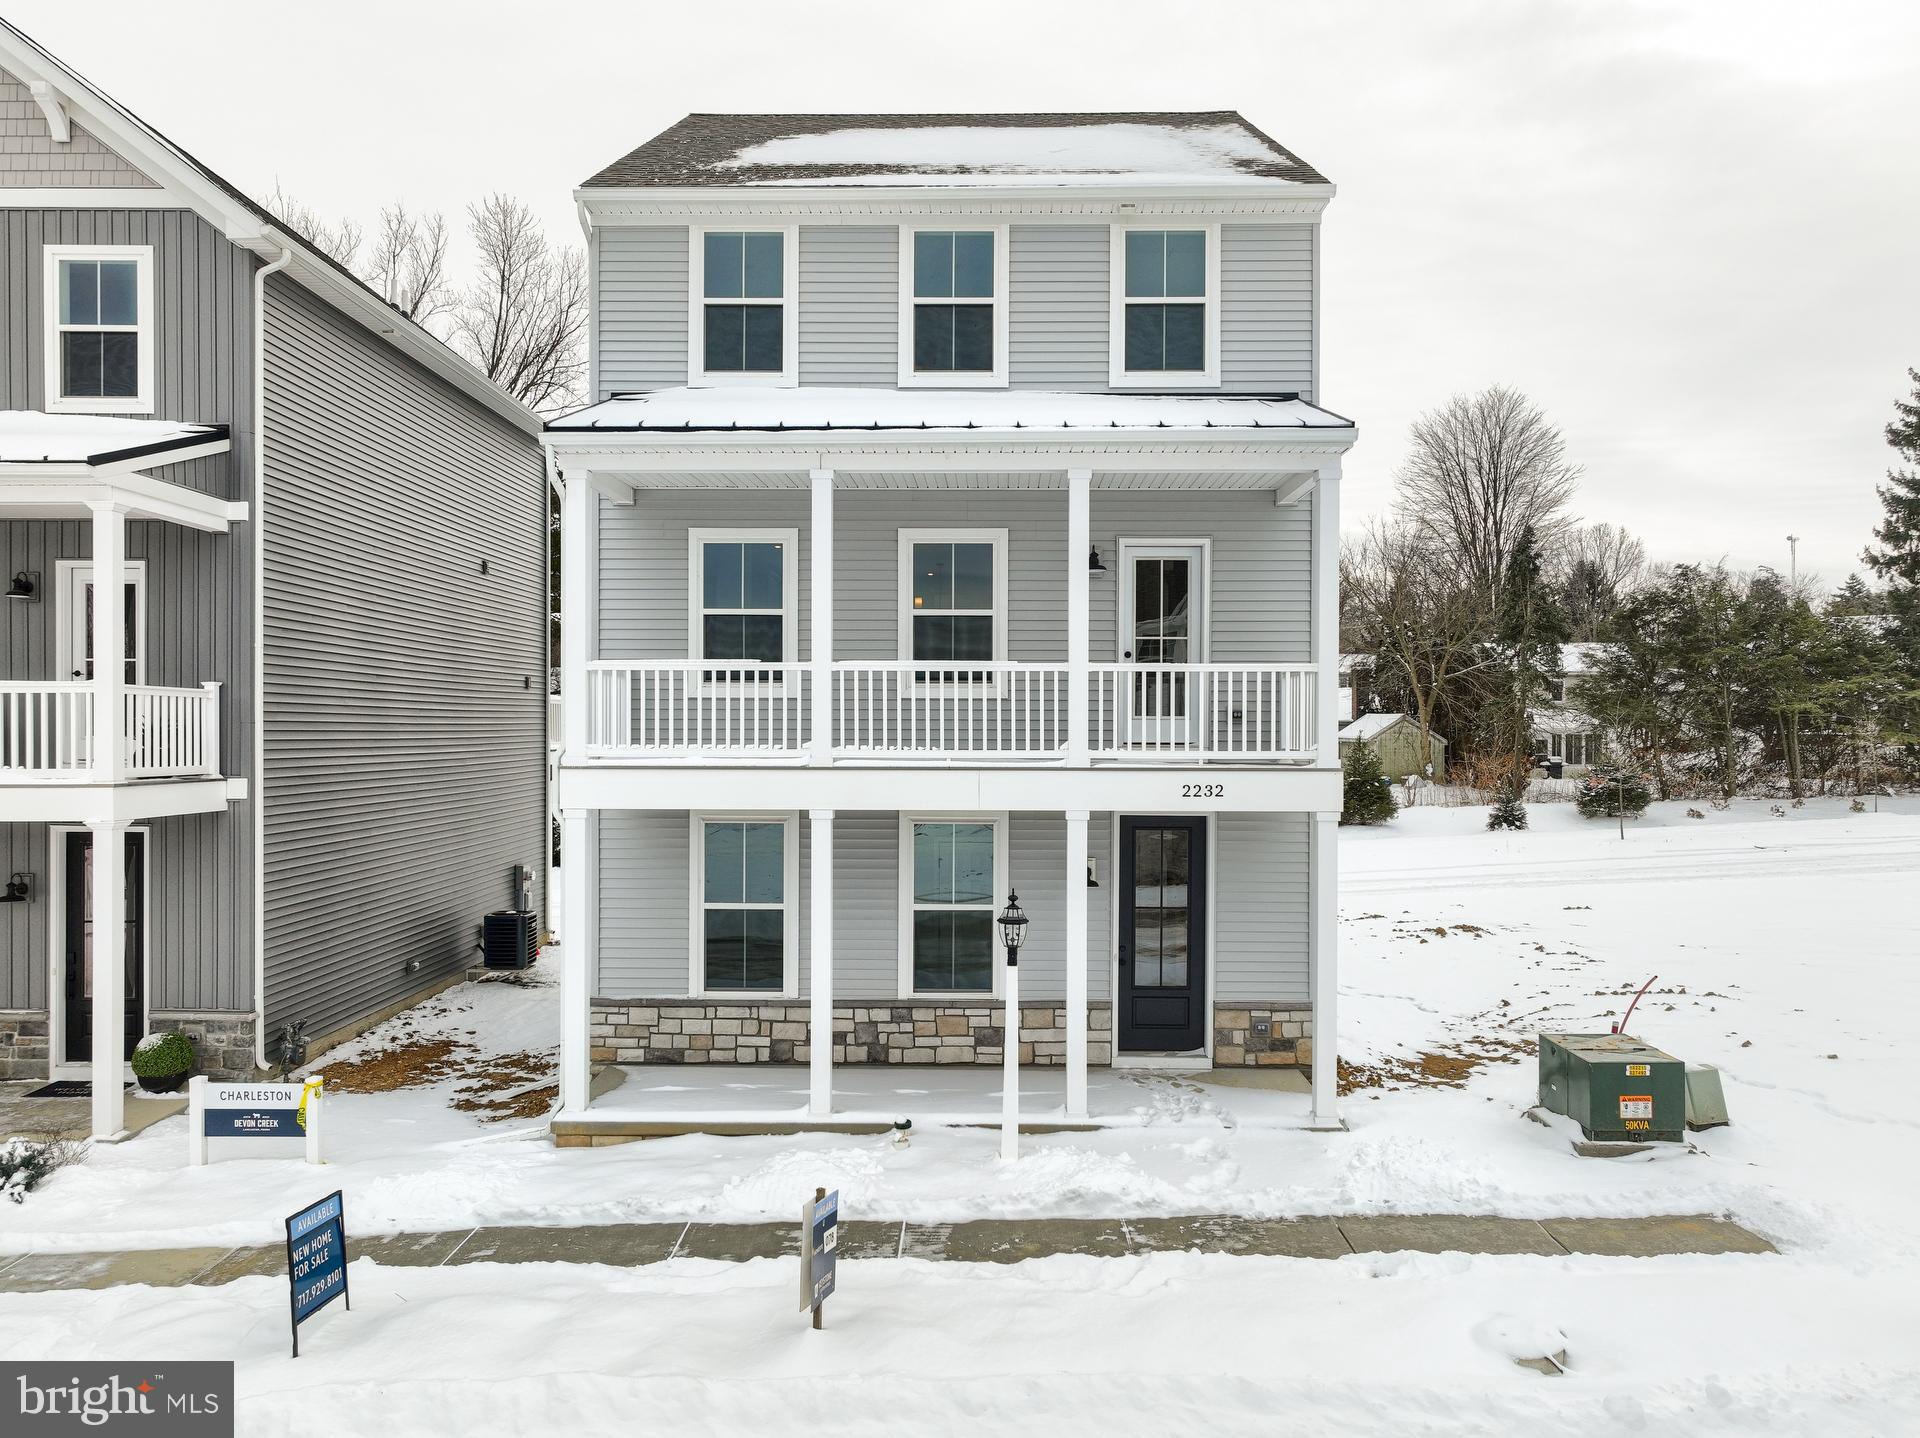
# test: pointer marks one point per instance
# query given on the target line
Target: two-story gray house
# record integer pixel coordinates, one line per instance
(956, 514)
(316, 754)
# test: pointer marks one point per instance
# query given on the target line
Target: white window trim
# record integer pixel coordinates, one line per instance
(789, 302)
(903, 598)
(996, 378)
(142, 256)
(1001, 883)
(697, 539)
(790, 907)
(1118, 375)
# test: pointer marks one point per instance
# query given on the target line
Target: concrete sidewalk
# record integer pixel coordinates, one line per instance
(628, 1245)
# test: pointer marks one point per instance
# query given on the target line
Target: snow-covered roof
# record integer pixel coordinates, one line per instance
(1581, 658)
(30, 436)
(823, 407)
(1561, 720)
(1371, 726)
(1147, 148)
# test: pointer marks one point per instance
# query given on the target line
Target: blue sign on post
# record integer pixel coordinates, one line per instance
(316, 1260)
(819, 1250)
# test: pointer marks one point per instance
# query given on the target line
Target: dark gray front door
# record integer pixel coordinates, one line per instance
(79, 985)
(1161, 1004)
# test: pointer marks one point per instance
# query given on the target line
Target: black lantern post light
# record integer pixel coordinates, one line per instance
(1013, 933)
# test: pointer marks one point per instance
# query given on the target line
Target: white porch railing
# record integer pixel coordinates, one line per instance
(686, 709)
(47, 732)
(1196, 712)
(925, 711)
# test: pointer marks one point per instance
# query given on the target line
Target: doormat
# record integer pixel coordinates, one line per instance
(63, 1088)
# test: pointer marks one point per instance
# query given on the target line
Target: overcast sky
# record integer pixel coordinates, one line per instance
(1690, 231)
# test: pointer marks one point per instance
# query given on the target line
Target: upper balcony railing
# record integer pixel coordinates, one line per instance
(905, 711)
(48, 733)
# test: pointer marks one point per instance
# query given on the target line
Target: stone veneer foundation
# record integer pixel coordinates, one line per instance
(23, 1043)
(702, 1031)
(1262, 1036)
(222, 1042)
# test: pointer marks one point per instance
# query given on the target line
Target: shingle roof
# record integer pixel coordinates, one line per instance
(775, 149)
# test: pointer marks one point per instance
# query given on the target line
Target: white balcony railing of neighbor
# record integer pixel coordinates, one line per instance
(686, 709)
(47, 732)
(981, 711)
(1199, 712)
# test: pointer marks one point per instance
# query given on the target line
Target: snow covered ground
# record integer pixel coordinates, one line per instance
(1785, 949)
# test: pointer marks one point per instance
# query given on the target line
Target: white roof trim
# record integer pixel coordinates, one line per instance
(872, 204)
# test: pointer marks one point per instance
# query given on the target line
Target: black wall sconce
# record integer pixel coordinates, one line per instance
(1094, 564)
(26, 586)
(19, 888)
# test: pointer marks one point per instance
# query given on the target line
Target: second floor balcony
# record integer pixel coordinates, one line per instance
(50, 733)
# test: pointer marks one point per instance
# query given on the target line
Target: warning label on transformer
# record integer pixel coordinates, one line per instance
(1637, 1105)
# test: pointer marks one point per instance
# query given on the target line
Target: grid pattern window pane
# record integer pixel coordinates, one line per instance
(953, 265)
(1161, 870)
(1163, 265)
(743, 893)
(953, 601)
(747, 337)
(99, 318)
(953, 868)
(742, 595)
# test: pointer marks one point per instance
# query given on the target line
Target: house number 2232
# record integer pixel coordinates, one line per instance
(1203, 791)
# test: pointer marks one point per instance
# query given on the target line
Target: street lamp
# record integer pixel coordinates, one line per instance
(1013, 933)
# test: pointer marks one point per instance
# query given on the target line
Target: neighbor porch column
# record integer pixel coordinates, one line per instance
(1326, 615)
(820, 969)
(579, 890)
(1326, 969)
(1079, 546)
(579, 508)
(109, 641)
(1076, 941)
(820, 593)
(108, 946)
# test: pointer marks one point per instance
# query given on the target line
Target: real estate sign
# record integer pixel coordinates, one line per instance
(316, 1260)
(819, 1250)
(258, 1113)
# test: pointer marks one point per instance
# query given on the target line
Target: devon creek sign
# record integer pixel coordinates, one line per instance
(246, 1119)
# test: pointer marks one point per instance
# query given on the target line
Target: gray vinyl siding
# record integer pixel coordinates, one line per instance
(24, 936)
(405, 700)
(1266, 308)
(646, 940)
(1262, 883)
(1057, 328)
(31, 157)
(639, 308)
(849, 305)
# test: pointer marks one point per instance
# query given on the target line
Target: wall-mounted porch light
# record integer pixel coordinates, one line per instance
(1094, 566)
(19, 887)
(23, 586)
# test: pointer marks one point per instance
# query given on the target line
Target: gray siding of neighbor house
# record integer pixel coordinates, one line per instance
(1058, 321)
(31, 157)
(405, 696)
(646, 927)
(199, 591)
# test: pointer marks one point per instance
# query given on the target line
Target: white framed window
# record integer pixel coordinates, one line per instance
(742, 319)
(953, 873)
(953, 602)
(1165, 306)
(742, 605)
(99, 329)
(953, 306)
(746, 914)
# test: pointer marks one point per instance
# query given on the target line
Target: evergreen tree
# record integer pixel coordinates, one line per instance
(1365, 795)
(1609, 790)
(1855, 597)
(1530, 627)
(1898, 557)
(1508, 812)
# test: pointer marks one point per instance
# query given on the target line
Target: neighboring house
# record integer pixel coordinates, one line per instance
(1356, 681)
(1562, 731)
(956, 514)
(318, 755)
(1395, 741)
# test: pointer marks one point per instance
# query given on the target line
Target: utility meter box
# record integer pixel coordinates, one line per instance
(1616, 1088)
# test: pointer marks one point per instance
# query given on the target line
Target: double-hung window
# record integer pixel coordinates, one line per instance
(745, 882)
(953, 602)
(952, 869)
(741, 329)
(1166, 302)
(953, 307)
(100, 322)
(743, 588)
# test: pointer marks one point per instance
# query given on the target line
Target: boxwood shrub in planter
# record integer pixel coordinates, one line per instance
(162, 1061)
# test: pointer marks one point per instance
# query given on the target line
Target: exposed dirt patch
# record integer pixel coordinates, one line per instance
(408, 1065)
(498, 1087)
(1448, 1067)
(495, 1086)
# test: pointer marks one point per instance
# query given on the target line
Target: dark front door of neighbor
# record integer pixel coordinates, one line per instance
(79, 902)
(1161, 1005)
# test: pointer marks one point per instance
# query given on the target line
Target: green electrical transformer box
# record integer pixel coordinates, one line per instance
(1615, 1087)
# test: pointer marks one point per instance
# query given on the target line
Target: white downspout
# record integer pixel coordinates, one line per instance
(258, 786)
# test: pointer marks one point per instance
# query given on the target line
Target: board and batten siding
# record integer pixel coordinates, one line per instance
(1058, 297)
(405, 702)
(646, 941)
(31, 157)
(1262, 884)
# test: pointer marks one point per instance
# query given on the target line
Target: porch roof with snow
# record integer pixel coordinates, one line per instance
(100, 442)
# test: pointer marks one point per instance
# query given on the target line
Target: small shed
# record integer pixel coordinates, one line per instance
(1395, 740)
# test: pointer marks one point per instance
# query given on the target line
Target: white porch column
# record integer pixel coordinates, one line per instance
(1326, 615)
(579, 509)
(820, 981)
(1079, 546)
(1326, 969)
(1076, 941)
(579, 891)
(109, 641)
(108, 947)
(820, 595)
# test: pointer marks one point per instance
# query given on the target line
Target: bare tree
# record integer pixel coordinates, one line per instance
(408, 265)
(1483, 468)
(1597, 566)
(341, 241)
(524, 318)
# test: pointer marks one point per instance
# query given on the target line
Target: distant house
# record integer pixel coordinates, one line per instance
(1562, 731)
(1395, 740)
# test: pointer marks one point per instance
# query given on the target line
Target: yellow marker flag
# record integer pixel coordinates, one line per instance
(308, 1089)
